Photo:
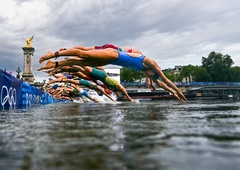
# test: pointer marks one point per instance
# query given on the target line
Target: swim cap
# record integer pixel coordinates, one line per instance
(55, 86)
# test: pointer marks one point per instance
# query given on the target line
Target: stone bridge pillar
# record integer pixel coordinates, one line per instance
(27, 65)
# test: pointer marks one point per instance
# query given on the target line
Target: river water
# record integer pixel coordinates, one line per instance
(165, 135)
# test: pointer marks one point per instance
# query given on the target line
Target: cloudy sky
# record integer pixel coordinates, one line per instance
(172, 32)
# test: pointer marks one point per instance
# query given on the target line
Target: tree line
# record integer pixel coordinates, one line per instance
(215, 68)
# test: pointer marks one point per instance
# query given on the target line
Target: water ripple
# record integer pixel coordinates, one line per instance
(144, 135)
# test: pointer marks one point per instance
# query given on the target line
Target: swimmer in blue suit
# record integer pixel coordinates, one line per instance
(102, 57)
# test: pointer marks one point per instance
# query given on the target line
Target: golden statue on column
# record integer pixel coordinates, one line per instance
(28, 51)
(29, 41)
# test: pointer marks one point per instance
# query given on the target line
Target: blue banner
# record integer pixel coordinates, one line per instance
(19, 94)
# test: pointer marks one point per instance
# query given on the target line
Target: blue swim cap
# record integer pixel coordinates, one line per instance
(55, 86)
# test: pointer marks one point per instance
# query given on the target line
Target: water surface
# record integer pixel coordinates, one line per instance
(164, 135)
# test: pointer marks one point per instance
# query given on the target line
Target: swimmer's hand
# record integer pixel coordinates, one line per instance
(133, 101)
(152, 87)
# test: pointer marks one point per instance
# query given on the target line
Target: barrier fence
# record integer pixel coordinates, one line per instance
(16, 93)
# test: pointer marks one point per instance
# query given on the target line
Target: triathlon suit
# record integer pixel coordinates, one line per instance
(125, 60)
(55, 86)
(75, 90)
(69, 76)
(100, 75)
(155, 76)
(107, 46)
(98, 82)
(84, 93)
(88, 84)
(114, 47)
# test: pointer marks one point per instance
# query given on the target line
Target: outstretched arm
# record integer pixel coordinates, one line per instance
(170, 83)
(124, 91)
(149, 63)
(103, 91)
(165, 87)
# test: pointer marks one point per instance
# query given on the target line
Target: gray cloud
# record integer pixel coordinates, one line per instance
(171, 32)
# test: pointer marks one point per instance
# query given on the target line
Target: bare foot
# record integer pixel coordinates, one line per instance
(49, 64)
(47, 56)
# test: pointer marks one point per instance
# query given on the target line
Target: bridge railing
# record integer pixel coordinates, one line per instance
(181, 84)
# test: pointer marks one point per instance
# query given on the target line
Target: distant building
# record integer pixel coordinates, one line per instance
(177, 70)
